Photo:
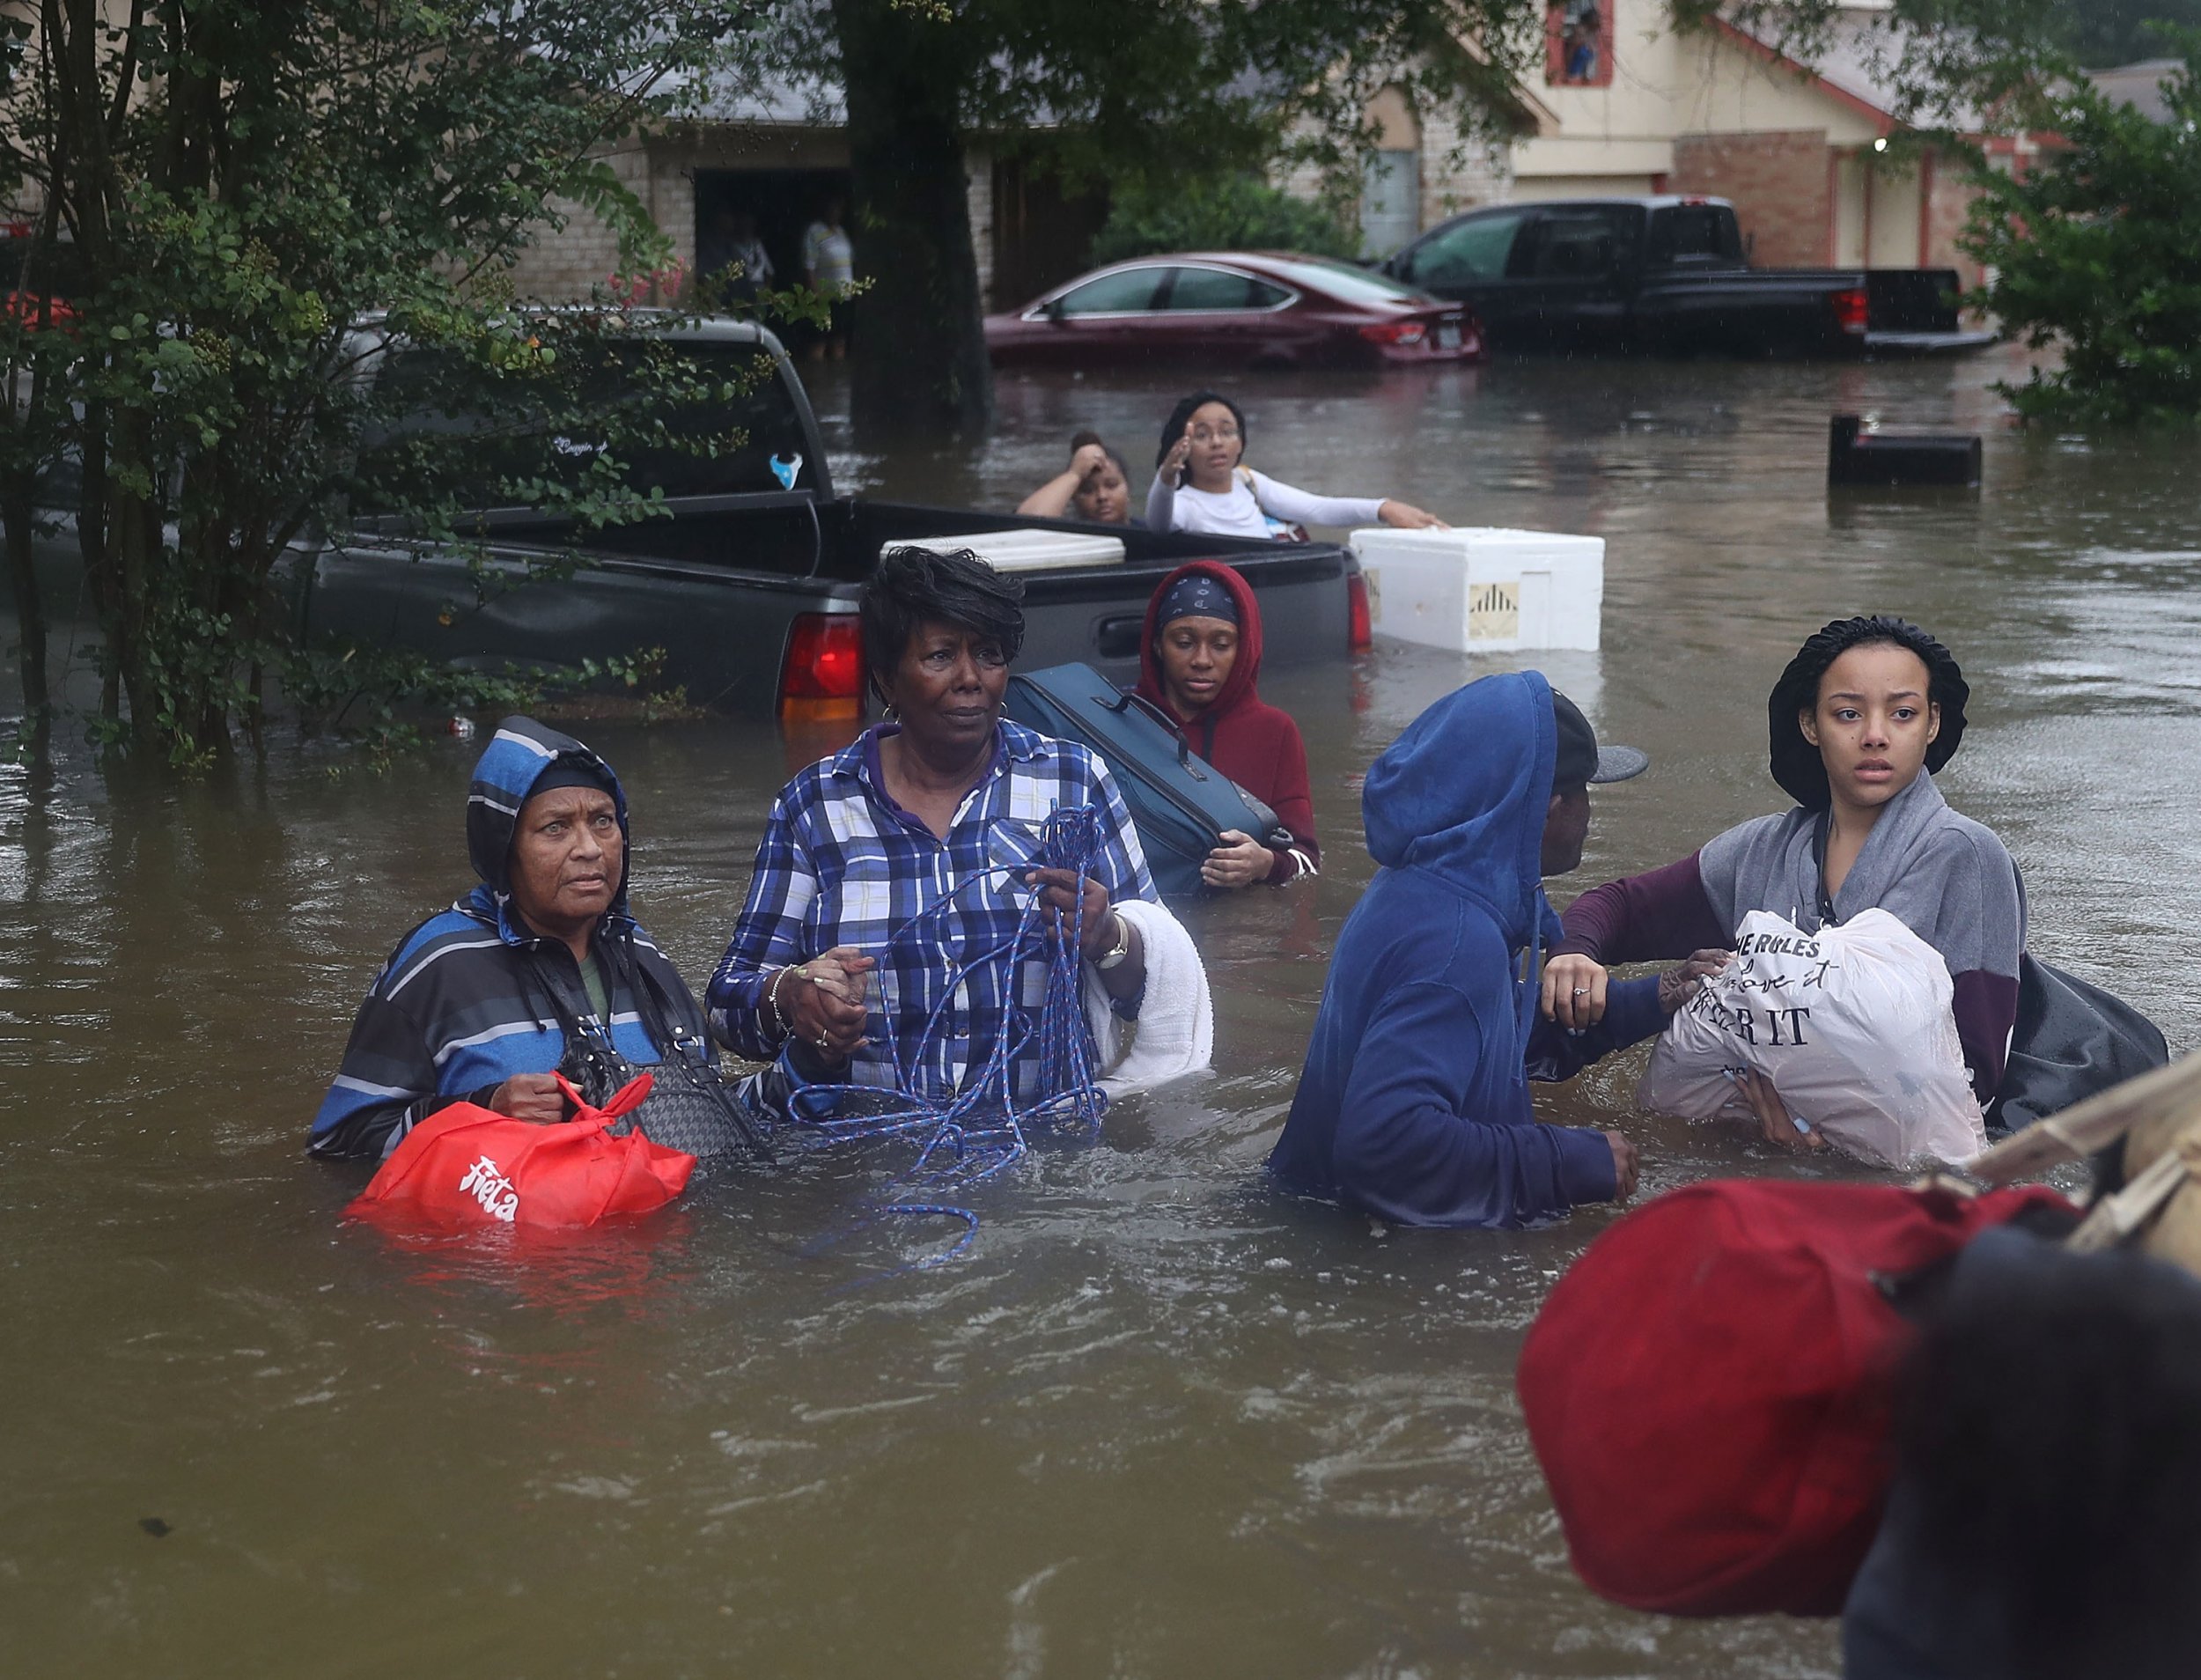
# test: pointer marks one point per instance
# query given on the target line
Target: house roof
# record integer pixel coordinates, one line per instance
(768, 99)
(1854, 65)
(763, 99)
(2139, 85)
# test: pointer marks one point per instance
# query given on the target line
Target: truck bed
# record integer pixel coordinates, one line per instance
(721, 582)
(1763, 312)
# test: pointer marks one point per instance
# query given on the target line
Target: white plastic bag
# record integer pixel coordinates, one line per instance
(1852, 1025)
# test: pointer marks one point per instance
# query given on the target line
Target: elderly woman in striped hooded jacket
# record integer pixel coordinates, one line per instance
(540, 970)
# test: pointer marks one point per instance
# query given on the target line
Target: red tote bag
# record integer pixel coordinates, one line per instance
(1710, 1389)
(466, 1168)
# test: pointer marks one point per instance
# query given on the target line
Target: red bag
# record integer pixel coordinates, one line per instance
(1710, 1389)
(465, 1168)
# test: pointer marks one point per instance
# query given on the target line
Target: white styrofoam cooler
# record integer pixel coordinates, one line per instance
(1024, 549)
(1479, 588)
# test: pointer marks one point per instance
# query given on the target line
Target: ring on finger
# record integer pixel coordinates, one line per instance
(1581, 992)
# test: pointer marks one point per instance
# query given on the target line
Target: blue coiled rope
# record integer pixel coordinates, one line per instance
(980, 1131)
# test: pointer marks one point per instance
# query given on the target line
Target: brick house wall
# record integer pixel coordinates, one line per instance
(1456, 173)
(1777, 183)
(1950, 199)
(563, 265)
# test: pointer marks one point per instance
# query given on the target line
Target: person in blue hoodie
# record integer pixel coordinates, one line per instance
(540, 970)
(1413, 1105)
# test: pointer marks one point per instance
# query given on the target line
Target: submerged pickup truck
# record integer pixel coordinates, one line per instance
(1668, 276)
(749, 580)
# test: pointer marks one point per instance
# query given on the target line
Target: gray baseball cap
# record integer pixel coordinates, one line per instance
(1580, 760)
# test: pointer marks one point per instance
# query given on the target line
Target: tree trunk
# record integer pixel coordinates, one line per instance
(919, 349)
(30, 608)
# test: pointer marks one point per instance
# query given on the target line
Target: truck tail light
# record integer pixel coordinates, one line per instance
(1849, 308)
(1395, 331)
(1359, 631)
(822, 672)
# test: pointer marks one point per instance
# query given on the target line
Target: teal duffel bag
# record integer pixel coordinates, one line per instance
(1180, 803)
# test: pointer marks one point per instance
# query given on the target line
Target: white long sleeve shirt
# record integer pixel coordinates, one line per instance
(1246, 508)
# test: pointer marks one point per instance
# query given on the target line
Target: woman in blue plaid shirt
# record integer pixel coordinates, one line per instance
(858, 843)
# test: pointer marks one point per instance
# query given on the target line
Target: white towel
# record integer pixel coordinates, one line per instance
(1176, 1017)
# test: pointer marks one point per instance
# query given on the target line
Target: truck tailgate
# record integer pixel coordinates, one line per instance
(1096, 617)
(1905, 302)
(1093, 614)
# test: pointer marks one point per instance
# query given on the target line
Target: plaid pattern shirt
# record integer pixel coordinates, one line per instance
(841, 863)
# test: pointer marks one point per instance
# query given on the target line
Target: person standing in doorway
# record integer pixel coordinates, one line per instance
(732, 258)
(829, 268)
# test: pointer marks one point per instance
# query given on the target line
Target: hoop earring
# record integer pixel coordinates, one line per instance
(887, 714)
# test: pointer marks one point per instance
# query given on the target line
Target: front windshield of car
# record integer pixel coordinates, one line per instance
(1342, 280)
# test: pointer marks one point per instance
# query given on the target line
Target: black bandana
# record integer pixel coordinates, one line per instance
(1197, 596)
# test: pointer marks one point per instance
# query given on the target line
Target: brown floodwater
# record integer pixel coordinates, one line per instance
(1160, 1421)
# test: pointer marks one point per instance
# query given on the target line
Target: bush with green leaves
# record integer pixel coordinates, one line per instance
(2095, 252)
(222, 190)
(1232, 212)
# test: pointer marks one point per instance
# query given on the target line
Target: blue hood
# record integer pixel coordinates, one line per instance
(1463, 795)
(515, 759)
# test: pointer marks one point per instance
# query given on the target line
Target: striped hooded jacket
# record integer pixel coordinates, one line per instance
(470, 997)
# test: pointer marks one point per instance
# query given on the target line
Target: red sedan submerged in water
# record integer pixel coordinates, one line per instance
(1250, 308)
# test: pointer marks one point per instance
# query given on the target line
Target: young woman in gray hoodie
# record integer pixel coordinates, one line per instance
(1864, 715)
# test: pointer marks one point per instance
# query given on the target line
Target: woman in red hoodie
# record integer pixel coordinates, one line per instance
(1198, 662)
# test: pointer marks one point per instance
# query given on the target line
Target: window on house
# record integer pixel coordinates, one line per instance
(1219, 288)
(1390, 202)
(1467, 251)
(1125, 292)
(1579, 43)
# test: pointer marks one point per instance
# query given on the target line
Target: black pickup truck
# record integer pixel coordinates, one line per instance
(1668, 276)
(749, 580)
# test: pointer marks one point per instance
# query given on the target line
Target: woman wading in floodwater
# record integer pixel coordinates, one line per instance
(1199, 661)
(858, 844)
(1864, 713)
